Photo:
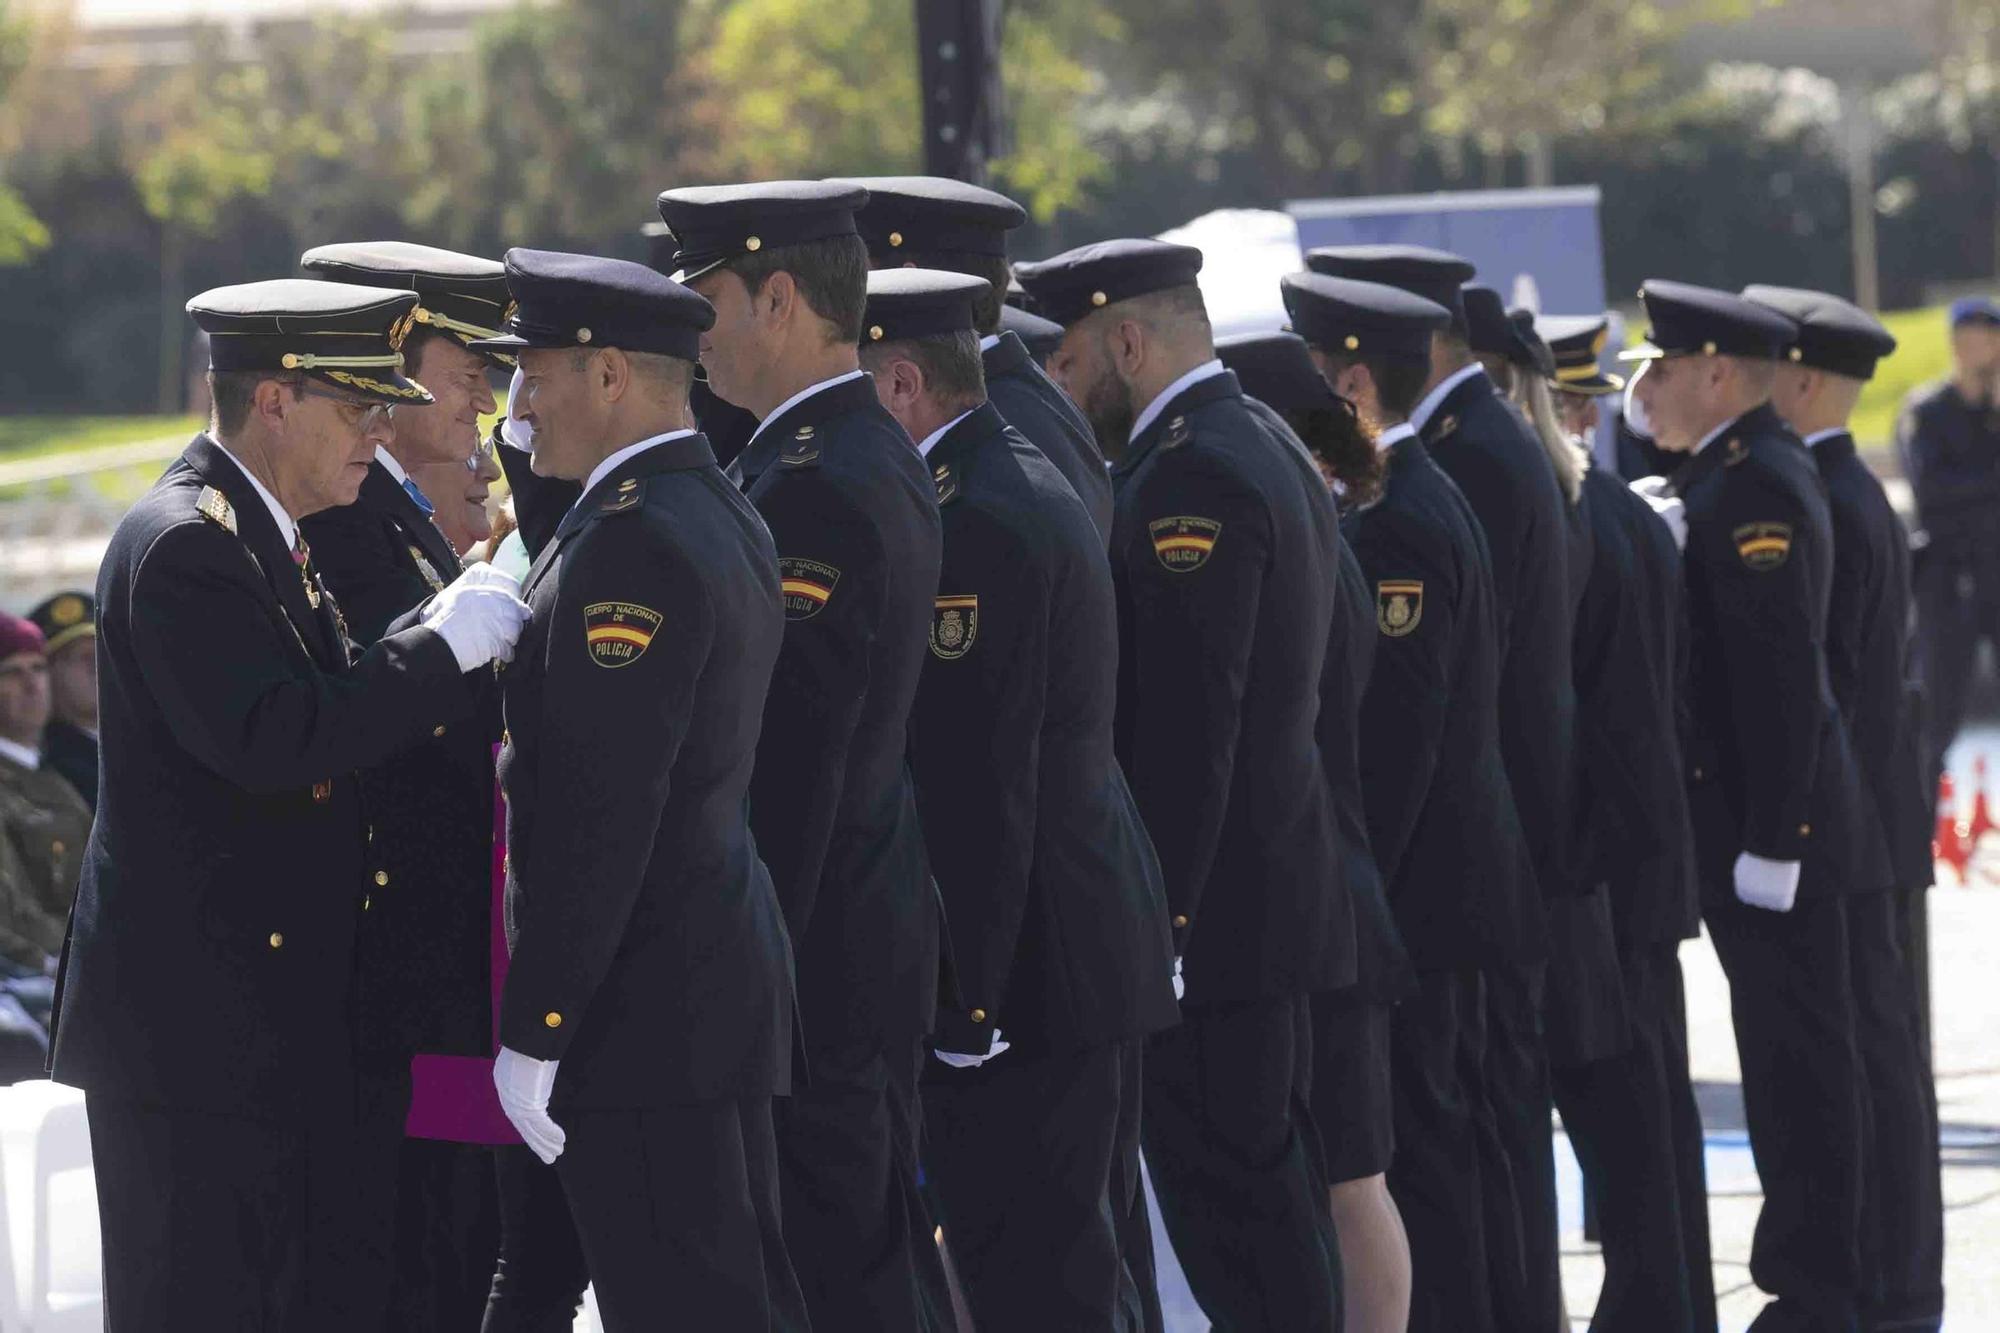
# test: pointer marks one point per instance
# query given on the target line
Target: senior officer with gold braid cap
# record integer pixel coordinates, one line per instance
(230, 1127)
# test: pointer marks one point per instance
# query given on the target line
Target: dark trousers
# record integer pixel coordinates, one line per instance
(537, 1284)
(859, 1233)
(677, 1209)
(1436, 1074)
(1902, 1214)
(1129, 1212)
(1020, 1154)
(1794, 1015)
(1956, 608)
(1636, 1130)
(1526, 1269)
(447, 1236)
(1235, 1162)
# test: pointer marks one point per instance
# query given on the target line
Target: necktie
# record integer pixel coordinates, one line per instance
(302, 557)
(418, 498)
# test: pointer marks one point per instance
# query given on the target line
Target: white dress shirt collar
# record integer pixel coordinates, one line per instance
(1715, 434)
(1820, 435)
(288, 527)
(929, 441)
(604, 469)
(1421, 417)
(388, 460)
(25, 755)
(1395, 435)
(800, 397)
(989, 342)
(1146, 418)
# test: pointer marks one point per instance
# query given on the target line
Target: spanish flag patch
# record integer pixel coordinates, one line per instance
(1763, 546)
(1399, 606)
(807, 586)
(618, 633)
(1183, 543)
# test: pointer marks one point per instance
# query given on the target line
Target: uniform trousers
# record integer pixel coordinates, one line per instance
(1236, 1165)
(1902, 1214)
(677, 1209)
(1793, 1009)
(1020, 1152)
(1523, 1259)
(447, 1236)
(1436, 1070)
(537, 1284)
(860, 1236)
(1957, 596)
(1633, 1121)
(1129, 1211)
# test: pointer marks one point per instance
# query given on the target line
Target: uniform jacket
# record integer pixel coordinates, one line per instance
(212, 949)
(1224, 554)
(1772, 770)
(1476, 438)
(426, 961)
(648, 951)
(1057, 911)
(1951, 454)
(72, 752)
(1441, 815)
(1031, 403)
(1867, 653)
(853, 512)
(44, 825)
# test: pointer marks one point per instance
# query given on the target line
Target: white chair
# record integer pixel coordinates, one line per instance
(48, 1212)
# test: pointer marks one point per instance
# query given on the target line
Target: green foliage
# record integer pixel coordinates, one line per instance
(25, 437)
(1923, 354)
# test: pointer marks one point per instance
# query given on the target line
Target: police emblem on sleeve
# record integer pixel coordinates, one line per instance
(807, 586)
(954, 625)
(1399, 606)
(1183, 543)
(1763, 546)
(618, 633)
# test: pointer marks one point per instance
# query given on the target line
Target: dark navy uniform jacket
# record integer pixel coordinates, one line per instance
(211, 952)
(1867, 652)
(1951, 454)
(426, 971)
(649, 951)
(1054, 899)
(1630, 654)
(1224, 556)
(1441, 815)
(1772, 770)
(1479, 442)
(1032, 403)
(853, 511)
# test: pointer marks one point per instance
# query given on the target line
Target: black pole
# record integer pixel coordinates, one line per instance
(958, 64)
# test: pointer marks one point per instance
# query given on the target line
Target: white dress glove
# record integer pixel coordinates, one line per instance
(479, 615)
(957, 1061)
(1670, 508)
(524, 1085)
(1180, 985)
(1767, 884)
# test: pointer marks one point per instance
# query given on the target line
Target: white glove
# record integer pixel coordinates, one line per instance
(1180, 985)
(1670, 508)
(479, 615)
(524, 1085)
(957, 1061)
(1767, 884)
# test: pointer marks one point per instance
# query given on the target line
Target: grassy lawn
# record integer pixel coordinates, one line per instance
(37, 436)
(1923, 353)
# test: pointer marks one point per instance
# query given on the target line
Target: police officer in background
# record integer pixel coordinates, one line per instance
(1784, 828)
(930, 222)
(1051, 890)
(210, 1017)
(854, 513)
(649, 998)
(1224, 554)
(1867, 639)
(68, 621)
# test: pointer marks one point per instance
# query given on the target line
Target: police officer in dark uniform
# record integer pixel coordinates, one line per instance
(1867, 637)
(1441, 818)
(1784, 828)
(1224, 554)
(649, 1000)
(1487, 450)
(68, 622)
(206, 1003)
(854, 513)
(1051, 890)
(1040, 336)
(930, 222)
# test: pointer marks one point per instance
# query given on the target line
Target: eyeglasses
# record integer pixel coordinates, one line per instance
(482, 450)
(364, 416)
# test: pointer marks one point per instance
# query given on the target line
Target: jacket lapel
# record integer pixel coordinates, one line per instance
(385, 495)
(267, 549)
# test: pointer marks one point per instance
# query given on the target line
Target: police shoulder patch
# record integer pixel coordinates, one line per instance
(1399, 606)
(1763, 546)
(954, 625)
(618, 633)
(1183, 543)
(807, 586)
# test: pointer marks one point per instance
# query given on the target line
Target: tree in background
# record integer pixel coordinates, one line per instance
(21, 232)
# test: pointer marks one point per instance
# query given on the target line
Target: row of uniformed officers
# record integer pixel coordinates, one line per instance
(913, 756)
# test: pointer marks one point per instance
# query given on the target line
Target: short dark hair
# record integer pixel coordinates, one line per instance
(832, 277)
(950, 361)
(994, 268)
(1399, 380)
(415, 345)
(232, 392)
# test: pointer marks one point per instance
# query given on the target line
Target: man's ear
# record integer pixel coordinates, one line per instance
(906, 381)
(777, 298)
(272, 402)
(611, 374)
(1128, 347)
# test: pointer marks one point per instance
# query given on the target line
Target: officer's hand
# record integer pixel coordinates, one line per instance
(1180, 985)
(479, 616)
(1672, 511)
(957, 1061)
(1763, 883)
(524, 1085)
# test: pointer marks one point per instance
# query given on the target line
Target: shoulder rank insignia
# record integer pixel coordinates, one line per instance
(947, 483)
(1763, 546)
(1734, 451)
(618, 633)
(954, 625)
(803, 449)
(622, 499)
(1445, 427)
(426, 568)
(807, 585)
(1177, 434)
(1183, 543)
(1399, 606)
(214, 506)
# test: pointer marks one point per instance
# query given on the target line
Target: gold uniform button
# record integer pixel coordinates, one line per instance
(875, 332)
(1805, 830)
(583, 335)
(1098, 298)
(382, 878)
(277, 940)
(552, 1019)
(437, 731)
(753, 243)
(895, 238)
(1351, 342)
(1180, 923)
(979, 1015)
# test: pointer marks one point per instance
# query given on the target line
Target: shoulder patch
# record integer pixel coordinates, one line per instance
(214, 506)
(1763, 546)
(1183, 543)
(618, 633)
(807, 586)
(627, 496)
(954, 625)
(947, 483)
(1446, 426)
(1178, 434)
(803, 448)
(1399, 606)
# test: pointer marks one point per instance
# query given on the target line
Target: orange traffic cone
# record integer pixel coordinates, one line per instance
(1982, 817)
(1947, 841)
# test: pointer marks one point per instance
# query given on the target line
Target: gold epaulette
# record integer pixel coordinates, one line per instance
(214, 506)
